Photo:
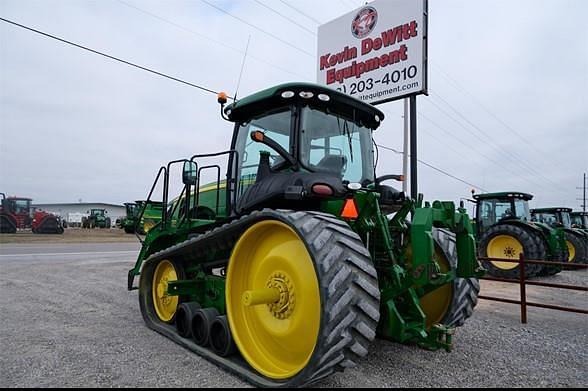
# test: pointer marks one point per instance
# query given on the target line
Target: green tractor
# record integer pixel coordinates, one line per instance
(96, 219)
(285, 272)
(504, 230)
(129, 221)
(141, 216)
(576, 239)
(580, 220)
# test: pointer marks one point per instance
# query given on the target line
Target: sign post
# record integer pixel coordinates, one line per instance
(378, 54)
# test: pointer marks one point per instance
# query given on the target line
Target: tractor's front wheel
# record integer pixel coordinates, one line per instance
(302, 297)
(156, 303)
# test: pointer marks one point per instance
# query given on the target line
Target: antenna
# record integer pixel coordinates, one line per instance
(242, 66)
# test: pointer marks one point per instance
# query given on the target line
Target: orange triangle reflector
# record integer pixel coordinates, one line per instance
(349, 209)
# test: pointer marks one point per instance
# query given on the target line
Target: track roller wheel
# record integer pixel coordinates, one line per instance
(302, 297)
(154, 281)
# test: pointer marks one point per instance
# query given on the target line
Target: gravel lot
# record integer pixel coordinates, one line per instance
(68, 320)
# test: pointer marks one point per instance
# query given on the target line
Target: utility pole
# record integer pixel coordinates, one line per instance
(405, 149)
(583, 199)
(414, 192)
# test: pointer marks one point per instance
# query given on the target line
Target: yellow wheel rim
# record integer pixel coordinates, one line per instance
(148, 225)
(571, 251)
(505, 247)
(435, 304)
(165, 306)
(271, 268)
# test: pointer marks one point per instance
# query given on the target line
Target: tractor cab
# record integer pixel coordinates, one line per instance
(299, 143)
(131, 209)
(579, 220)
(97, 212)
(554, 217)
(492, 208)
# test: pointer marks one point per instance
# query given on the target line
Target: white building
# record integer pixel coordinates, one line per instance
(74, 211)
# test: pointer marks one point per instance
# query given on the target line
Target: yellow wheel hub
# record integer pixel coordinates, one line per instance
(571, 251)
(435, 304)
(165, 306)
(505, 247)
(148, 225)
(273, 300)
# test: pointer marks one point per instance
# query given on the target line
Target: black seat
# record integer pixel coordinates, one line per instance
(332, 164)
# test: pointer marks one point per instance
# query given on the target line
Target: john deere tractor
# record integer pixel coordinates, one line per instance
(96, 219)
(141, 216)
(576, 239)
(580, 220)
(504, 230)
(285, 271)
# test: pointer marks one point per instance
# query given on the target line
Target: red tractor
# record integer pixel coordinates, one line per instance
(16, 213)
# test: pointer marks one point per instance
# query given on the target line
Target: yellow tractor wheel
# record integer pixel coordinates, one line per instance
(507, 241)
(296, 285)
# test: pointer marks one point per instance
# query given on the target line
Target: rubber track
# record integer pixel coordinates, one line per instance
(347, 282)
(465, 290)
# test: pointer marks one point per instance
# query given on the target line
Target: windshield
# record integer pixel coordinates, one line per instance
(97, 212)
(522, 210)
(276, 125)
(334, 144)
(565, 219)
(22, 206)
(547, 218)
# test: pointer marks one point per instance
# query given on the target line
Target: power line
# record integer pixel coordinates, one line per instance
(436, 169)
(216, 41)
(300, 12)
(286, 17)
(469, 147)
(110, 57)
(513, 158)
(460, 88)
(257, 28)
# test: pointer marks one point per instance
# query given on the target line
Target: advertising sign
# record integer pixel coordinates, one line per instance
(376, 53)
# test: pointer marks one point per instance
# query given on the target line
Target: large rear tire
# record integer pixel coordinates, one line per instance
(328, 306)
(508, 241)
(576, 248)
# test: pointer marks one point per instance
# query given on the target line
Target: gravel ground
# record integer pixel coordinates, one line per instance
(72, 323)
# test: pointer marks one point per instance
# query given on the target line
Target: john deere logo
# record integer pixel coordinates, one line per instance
(364, 22)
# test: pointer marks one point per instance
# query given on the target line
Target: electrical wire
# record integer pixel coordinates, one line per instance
(258, 28)
(286, 17)
(216, 41)
(300, 12)
(110, 57)
(435, 168)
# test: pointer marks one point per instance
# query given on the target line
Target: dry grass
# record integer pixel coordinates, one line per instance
(71, 235)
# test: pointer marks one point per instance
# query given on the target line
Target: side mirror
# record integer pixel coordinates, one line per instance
(190, 173)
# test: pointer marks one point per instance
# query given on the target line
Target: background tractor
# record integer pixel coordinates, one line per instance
(504, 230)
(141, 216)
(17, 213)
(580, 220)
(96, 219)
(286, 271)
(576, 239)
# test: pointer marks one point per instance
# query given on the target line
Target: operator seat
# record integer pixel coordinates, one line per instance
(332, 164)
